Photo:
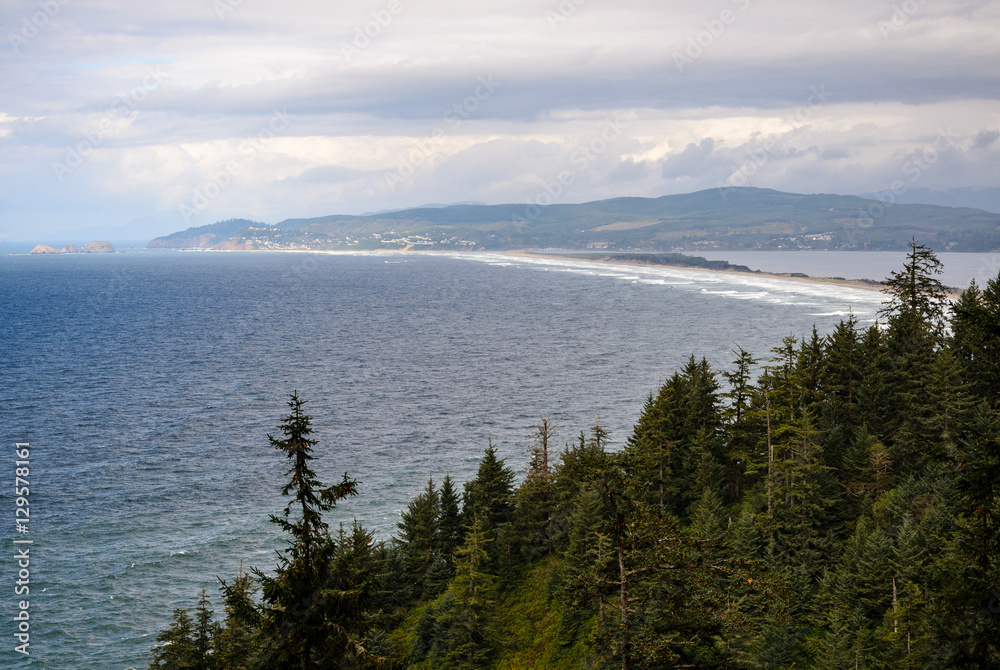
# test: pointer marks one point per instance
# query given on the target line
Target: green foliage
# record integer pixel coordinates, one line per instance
(177, 649)
(675, 449)
(309, 617)
(450, 522)
(915, 291)
(489, 497)
(420, 538)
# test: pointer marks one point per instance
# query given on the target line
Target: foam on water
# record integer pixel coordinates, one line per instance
(774, 290)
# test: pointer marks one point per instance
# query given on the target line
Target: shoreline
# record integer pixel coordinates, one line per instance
(866, 284)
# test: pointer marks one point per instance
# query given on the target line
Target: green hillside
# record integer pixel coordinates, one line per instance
(733, 218)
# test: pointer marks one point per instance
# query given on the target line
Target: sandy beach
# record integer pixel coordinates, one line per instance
(867, 284)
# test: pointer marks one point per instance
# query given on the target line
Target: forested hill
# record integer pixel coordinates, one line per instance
(726, 218)
(834, 506)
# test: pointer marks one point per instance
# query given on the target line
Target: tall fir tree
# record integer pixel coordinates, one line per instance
(450, 523)
(742, 430)
(489, 496)
(472, 638)
(419, 536)
(177, 648)
(299, 613)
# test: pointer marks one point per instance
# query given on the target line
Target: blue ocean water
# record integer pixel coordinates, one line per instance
(146, 384)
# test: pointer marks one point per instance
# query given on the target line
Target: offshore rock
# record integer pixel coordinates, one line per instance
(99, 247)
(45, 249)
(70, 249)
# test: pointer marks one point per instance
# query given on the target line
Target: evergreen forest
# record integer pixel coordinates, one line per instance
(834, 506)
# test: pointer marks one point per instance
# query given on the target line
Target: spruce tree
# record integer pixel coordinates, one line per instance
(915, 290)
(742, 430)
(489, 496)
(473, 596)
(235, 642)
(419, 536)
(205, 633)
(178, 647)
(299, 612)
(975, 326)
(450, 523)
(534, 498)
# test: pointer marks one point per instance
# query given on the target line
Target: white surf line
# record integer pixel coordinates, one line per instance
(737, 286)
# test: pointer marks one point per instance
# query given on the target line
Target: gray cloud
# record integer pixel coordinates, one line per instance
(985, 139)
(365, 87)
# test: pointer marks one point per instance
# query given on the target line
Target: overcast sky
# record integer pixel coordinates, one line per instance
(153, 117)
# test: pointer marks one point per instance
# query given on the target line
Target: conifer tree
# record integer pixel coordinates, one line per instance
(235, 642)
(473, 595)
(354, 580)
(975, 326)
(678, 435)
(742, 431)
(178, 647)
(877, 405)
(299, 613)
(915, 290)
(579, 467)
(489, 496)
(708, 518)
(450, 523)
(419, 536)
(205, 633)
(535, 494)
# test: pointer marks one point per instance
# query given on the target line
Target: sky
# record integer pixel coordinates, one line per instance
(131, 120)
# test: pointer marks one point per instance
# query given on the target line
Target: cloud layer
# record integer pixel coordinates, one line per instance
(185, 113)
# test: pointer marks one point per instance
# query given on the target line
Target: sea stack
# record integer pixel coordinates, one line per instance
(70, 249)
(99, 247)
(45, 249)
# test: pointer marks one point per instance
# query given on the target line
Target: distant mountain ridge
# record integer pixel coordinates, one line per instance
(726, 218)
(987, 199)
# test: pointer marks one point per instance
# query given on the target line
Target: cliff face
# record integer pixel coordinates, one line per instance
(99, 247)
(203, 241)
(45, 249)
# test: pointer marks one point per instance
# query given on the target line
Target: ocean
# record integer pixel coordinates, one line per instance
(146, 384)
